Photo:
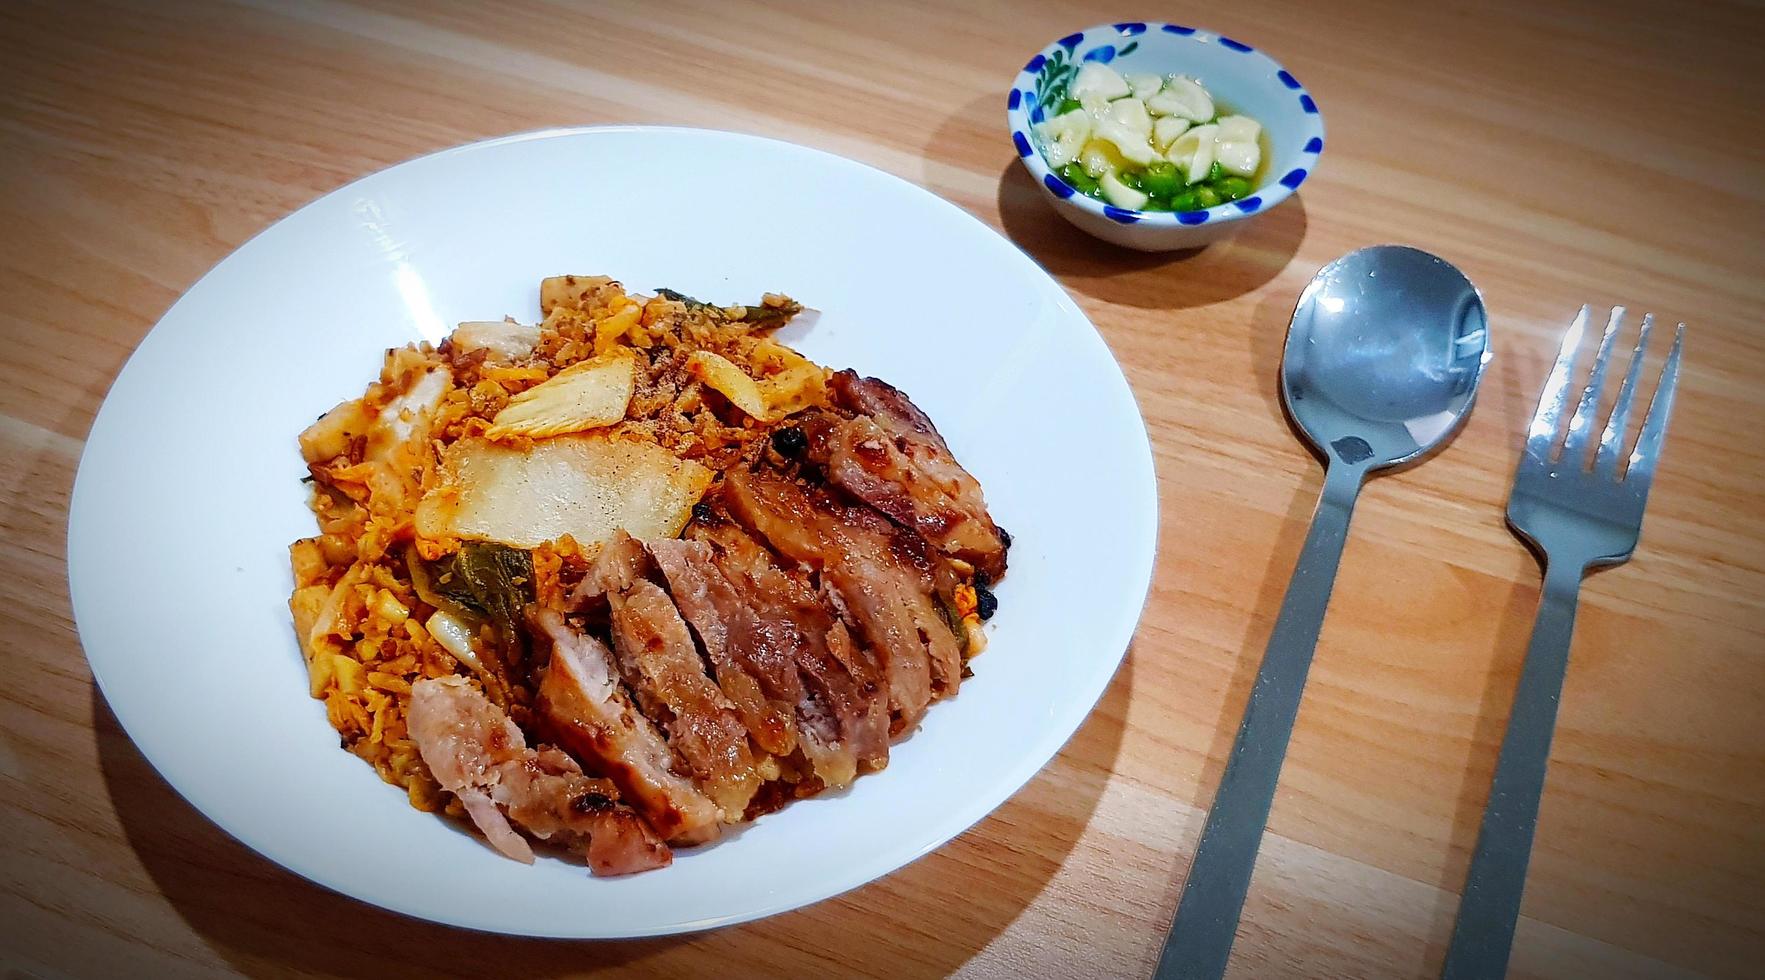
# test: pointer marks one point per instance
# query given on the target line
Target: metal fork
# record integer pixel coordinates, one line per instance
(1576, 515)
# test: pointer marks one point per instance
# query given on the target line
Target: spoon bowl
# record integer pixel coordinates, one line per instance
(1384, 354)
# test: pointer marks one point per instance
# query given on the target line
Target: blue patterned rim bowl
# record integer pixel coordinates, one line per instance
(1235, 73)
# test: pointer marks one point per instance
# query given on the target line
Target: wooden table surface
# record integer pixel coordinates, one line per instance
(1592, 152)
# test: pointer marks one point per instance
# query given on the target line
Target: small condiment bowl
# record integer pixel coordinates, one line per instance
(1236, 74)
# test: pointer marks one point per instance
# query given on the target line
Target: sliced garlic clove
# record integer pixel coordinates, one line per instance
(1193, 152)
(1166, 130)
(1099, 157)
(1063, 137)
(1144, 85)
(1120, 194)
(1097, 79)
(1132, 114)
(1134, 147)
(1239, 129)
(1238, 152)
(1183, 97)
(1238, 158)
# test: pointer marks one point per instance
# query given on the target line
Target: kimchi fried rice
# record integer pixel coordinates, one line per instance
(640, 571)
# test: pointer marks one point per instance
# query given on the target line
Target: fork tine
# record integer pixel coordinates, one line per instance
(1605, 461)
(1581, 425)
(1543, 430)
(1654, 427)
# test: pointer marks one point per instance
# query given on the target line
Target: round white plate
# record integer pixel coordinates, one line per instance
(188, 495)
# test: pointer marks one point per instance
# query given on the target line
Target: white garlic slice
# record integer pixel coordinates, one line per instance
(1099, 158)
(1183, 97)
(1239, 159)
(1132, 114)
(1239, 129)
(1063, 137)
(1238, 152)
(1133, 145)
(1120, 194)
(1193, 152)
(1166, 130)
(1144, 85)
(1098, 79)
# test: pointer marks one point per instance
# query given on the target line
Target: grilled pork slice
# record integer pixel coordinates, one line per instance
(889, 455)
(580, 700)
(842, 712)
(657, 658)
(880, 575)
(478, 754)
(757, 674)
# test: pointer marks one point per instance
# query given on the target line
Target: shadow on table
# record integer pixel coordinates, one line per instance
(1512, 634)
(973, 139)
(1149, 280)
(926, 919)
(1267, 337)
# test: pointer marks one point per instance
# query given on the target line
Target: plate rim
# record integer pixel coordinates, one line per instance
(1140, 560)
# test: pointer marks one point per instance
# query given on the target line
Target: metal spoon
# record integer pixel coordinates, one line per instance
(1383, 357)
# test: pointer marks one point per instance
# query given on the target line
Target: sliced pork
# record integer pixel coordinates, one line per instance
(581, 701)
(889, 455)
(659, 661)
(842, 712)
(880, 575)
(758, 675)
(478, 754)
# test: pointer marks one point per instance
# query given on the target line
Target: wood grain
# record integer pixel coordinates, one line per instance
(1558, 153)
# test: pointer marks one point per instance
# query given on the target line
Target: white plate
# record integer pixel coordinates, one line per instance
(188, 495)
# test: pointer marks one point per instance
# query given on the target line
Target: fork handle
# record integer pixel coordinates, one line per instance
(1206, 922)
(1483, 934)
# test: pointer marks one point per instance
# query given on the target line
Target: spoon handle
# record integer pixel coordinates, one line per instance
(1206, 922)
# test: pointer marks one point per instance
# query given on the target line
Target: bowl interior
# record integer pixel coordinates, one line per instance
(1239, 77)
